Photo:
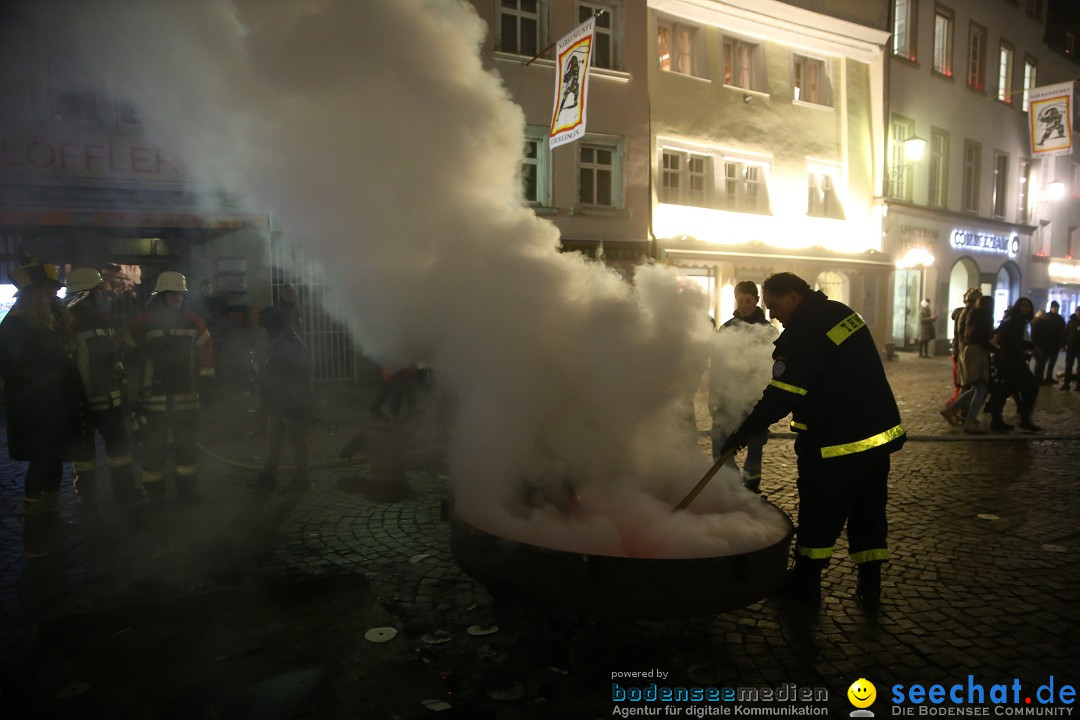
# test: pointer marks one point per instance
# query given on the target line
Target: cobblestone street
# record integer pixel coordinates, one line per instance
(247, 607)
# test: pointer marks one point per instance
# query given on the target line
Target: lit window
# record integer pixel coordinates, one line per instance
(75, 103)
(683, 178)
(744, 187)
(811, 81)
(1030, 74)
(821, 195)
(1024, 180)
(943, 40)
(904, 29)
(1005, 73)
(535, 169)
(742, 61)
(901, 171)
(675, 47)
(939, 168)
(1034, 8)
(1001, 182)
(976, 58)
(522, 26)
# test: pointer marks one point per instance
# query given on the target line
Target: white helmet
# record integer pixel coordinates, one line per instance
(170, 280)
(82, 279)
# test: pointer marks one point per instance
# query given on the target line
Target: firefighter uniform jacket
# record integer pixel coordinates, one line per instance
(97, 354)
(174, 350)
(827, 373)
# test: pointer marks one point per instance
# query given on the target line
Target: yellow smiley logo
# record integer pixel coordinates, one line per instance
(862, 693)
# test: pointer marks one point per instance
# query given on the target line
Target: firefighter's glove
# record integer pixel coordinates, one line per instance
(736, 441)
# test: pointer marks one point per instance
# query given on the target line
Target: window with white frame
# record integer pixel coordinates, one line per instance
(744, 188)
(943, 41)
(901, 171)
(1040, 240)
(1023, 201)
(1005, 73)
(743, 64)
(1030, 74)
(976, 70)
(972, 157)
(904, 28)
(536, 169)
(811, 81)
(675, 46)
(600, 172)
(684, 177)
(822, 200)
(939, 168)
(1001, 184)
(606, 41)
(522, 26)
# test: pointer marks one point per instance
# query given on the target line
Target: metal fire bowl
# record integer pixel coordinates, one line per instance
(619, 587)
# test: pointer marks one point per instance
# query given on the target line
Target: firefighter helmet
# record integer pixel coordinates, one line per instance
(170, 280)
(81, 279)
(32, 273)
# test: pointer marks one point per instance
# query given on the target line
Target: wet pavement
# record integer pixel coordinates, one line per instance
(344, 601)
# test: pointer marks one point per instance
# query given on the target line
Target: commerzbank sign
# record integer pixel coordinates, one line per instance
(975, 241)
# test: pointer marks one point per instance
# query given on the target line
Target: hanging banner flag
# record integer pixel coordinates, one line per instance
(572, 55)
(1051, 117)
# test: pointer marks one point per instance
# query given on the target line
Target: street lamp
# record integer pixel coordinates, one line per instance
(911, 150)
(914, 148)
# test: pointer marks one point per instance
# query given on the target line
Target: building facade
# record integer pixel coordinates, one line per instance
(969, 204)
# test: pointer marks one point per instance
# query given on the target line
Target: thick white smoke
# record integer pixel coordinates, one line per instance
(374, 136)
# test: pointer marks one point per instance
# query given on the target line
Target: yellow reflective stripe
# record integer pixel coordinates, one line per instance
(174, 332)
(186, 470)
(869, 555)
(844, 329)
(814, 553)
(84, 465)
(790, 388)
(861, 445)
(119, 460)
(201, 340)
(798, 426)
(92, 333)
(152, 476)
(206, 372)
(747, 476)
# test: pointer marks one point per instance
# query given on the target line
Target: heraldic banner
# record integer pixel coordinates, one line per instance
(1051, 118)
(572, 55)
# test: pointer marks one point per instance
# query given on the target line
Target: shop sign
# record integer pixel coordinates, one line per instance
(1063, 271)
(975, 241)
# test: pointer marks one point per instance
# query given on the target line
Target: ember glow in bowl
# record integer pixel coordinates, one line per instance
(619, 587)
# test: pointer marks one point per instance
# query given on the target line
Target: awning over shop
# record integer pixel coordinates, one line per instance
(683, 252)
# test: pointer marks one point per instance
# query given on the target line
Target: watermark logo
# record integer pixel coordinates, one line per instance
(862, 694)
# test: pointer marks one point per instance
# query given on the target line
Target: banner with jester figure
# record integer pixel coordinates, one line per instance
(572, 55)
(1051, 118)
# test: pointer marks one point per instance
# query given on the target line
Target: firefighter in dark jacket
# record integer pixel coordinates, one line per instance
(828, 374)
(173, 351)
(41, 392)
(97, 354)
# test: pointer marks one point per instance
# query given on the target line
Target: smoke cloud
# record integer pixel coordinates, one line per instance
(378, 142)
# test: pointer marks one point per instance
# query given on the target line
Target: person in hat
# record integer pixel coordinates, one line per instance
(97, 354)
(172, 351)
(42, 393)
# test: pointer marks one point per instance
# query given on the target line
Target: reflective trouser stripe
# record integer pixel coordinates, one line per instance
(119, 461)
(870, 555)
(152, 476)
(33, 505)
(84, 465)
(751, 477)
(185, 470)
(815, 553)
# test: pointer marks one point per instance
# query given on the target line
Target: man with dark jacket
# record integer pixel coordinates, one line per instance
(1014, 376)
(42, 394)
(1072, 348)
(1048, 334)
(828, 374)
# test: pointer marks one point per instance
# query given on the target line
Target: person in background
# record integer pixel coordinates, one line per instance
(287, 301)
(1048, 335)
(971, 297)
(173, 351)
(974, 367)
(287, 399)
(97, 354)
(42, 394)
(1072, 348)
(827, 373)
(747, 312)
(1013, 372)
(397, 385)
(927, 333)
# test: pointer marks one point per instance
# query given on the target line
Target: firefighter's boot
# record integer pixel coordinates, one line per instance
(187, 487)
(868, 586)
(803, 582)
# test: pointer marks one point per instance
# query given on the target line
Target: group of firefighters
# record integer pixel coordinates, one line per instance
(65, 376)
